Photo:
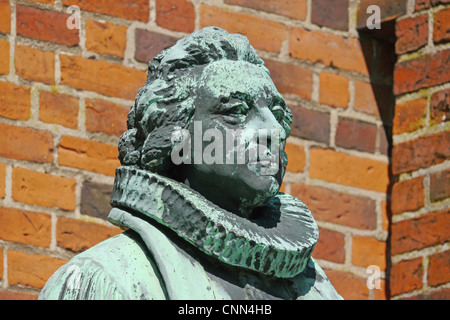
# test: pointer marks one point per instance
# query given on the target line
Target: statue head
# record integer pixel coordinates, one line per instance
(212, 86)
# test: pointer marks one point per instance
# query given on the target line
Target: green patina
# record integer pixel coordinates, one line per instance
(197, 231)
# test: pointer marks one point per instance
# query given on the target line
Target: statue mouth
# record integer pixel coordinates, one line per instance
(262, 163)
(266, 164)
(263, 168)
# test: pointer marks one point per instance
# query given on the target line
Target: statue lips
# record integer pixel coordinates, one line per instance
(257, 165)
(263, 162)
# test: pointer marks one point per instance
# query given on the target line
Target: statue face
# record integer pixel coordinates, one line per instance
(232, 96)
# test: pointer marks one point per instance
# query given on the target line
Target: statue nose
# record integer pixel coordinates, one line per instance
(269, 135)
(268, 125)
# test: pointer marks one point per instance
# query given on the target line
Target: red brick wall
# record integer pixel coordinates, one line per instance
(64, 96)
(420, 230)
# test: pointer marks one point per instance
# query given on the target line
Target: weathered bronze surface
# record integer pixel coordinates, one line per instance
(202, 226)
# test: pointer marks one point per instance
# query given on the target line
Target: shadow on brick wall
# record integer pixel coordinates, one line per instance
(378, 47)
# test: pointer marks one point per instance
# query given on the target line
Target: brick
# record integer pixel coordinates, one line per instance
(5, 16)
(31, 269)
(95, 199)
(368, 251)
(4, 57)
(26, 144)
(105, 116)
(296, 158)
(25, 227)
(355, 134)
(380, 294)
(337, 207)
(426, 71)
(439, 268)
(45, 25)
(44, 1)
(290, 78)
(106, 38)
(330, 13)
(385, 215)
(58, 108)
(178, 15)
(427, 230)
(440, 107)
(440, 185)
(373, 99)
(35, 65)
(326, 48)
(441, 28)
(77, 235)
(385, 139)
(330, 246)
(1, 263)
(43, 189)
(13, 295)
(291, 9)
(411, 33)
(422, 152)
(333, 90)
(408, 195)
(389, 10)
(425, 4)
(341, 168)
(349, 286)
(100, 76)
(366, 98)
(130, 9)
(88, 155)
(421, 4)
(410, 116)
(15, 101)
(2, 180)
(406, 276)
(149, 44)
(310, 124)
(262, 33)
(440, 294)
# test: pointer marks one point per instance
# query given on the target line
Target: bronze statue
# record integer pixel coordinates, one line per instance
(203, 220)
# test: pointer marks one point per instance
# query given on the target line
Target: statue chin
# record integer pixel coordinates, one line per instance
(257, 196)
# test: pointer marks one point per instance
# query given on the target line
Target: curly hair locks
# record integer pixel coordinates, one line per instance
(165, 102)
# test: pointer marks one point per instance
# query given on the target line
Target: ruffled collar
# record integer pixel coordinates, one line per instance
(278, 242)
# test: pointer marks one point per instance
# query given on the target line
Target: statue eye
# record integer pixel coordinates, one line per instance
(278, 112)
(237, 110)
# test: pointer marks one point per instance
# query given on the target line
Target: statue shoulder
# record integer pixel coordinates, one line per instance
(118, 268)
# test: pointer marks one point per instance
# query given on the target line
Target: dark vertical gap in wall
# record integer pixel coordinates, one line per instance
(379, 52)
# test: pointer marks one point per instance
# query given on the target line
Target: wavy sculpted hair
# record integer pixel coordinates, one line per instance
(165, 102)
